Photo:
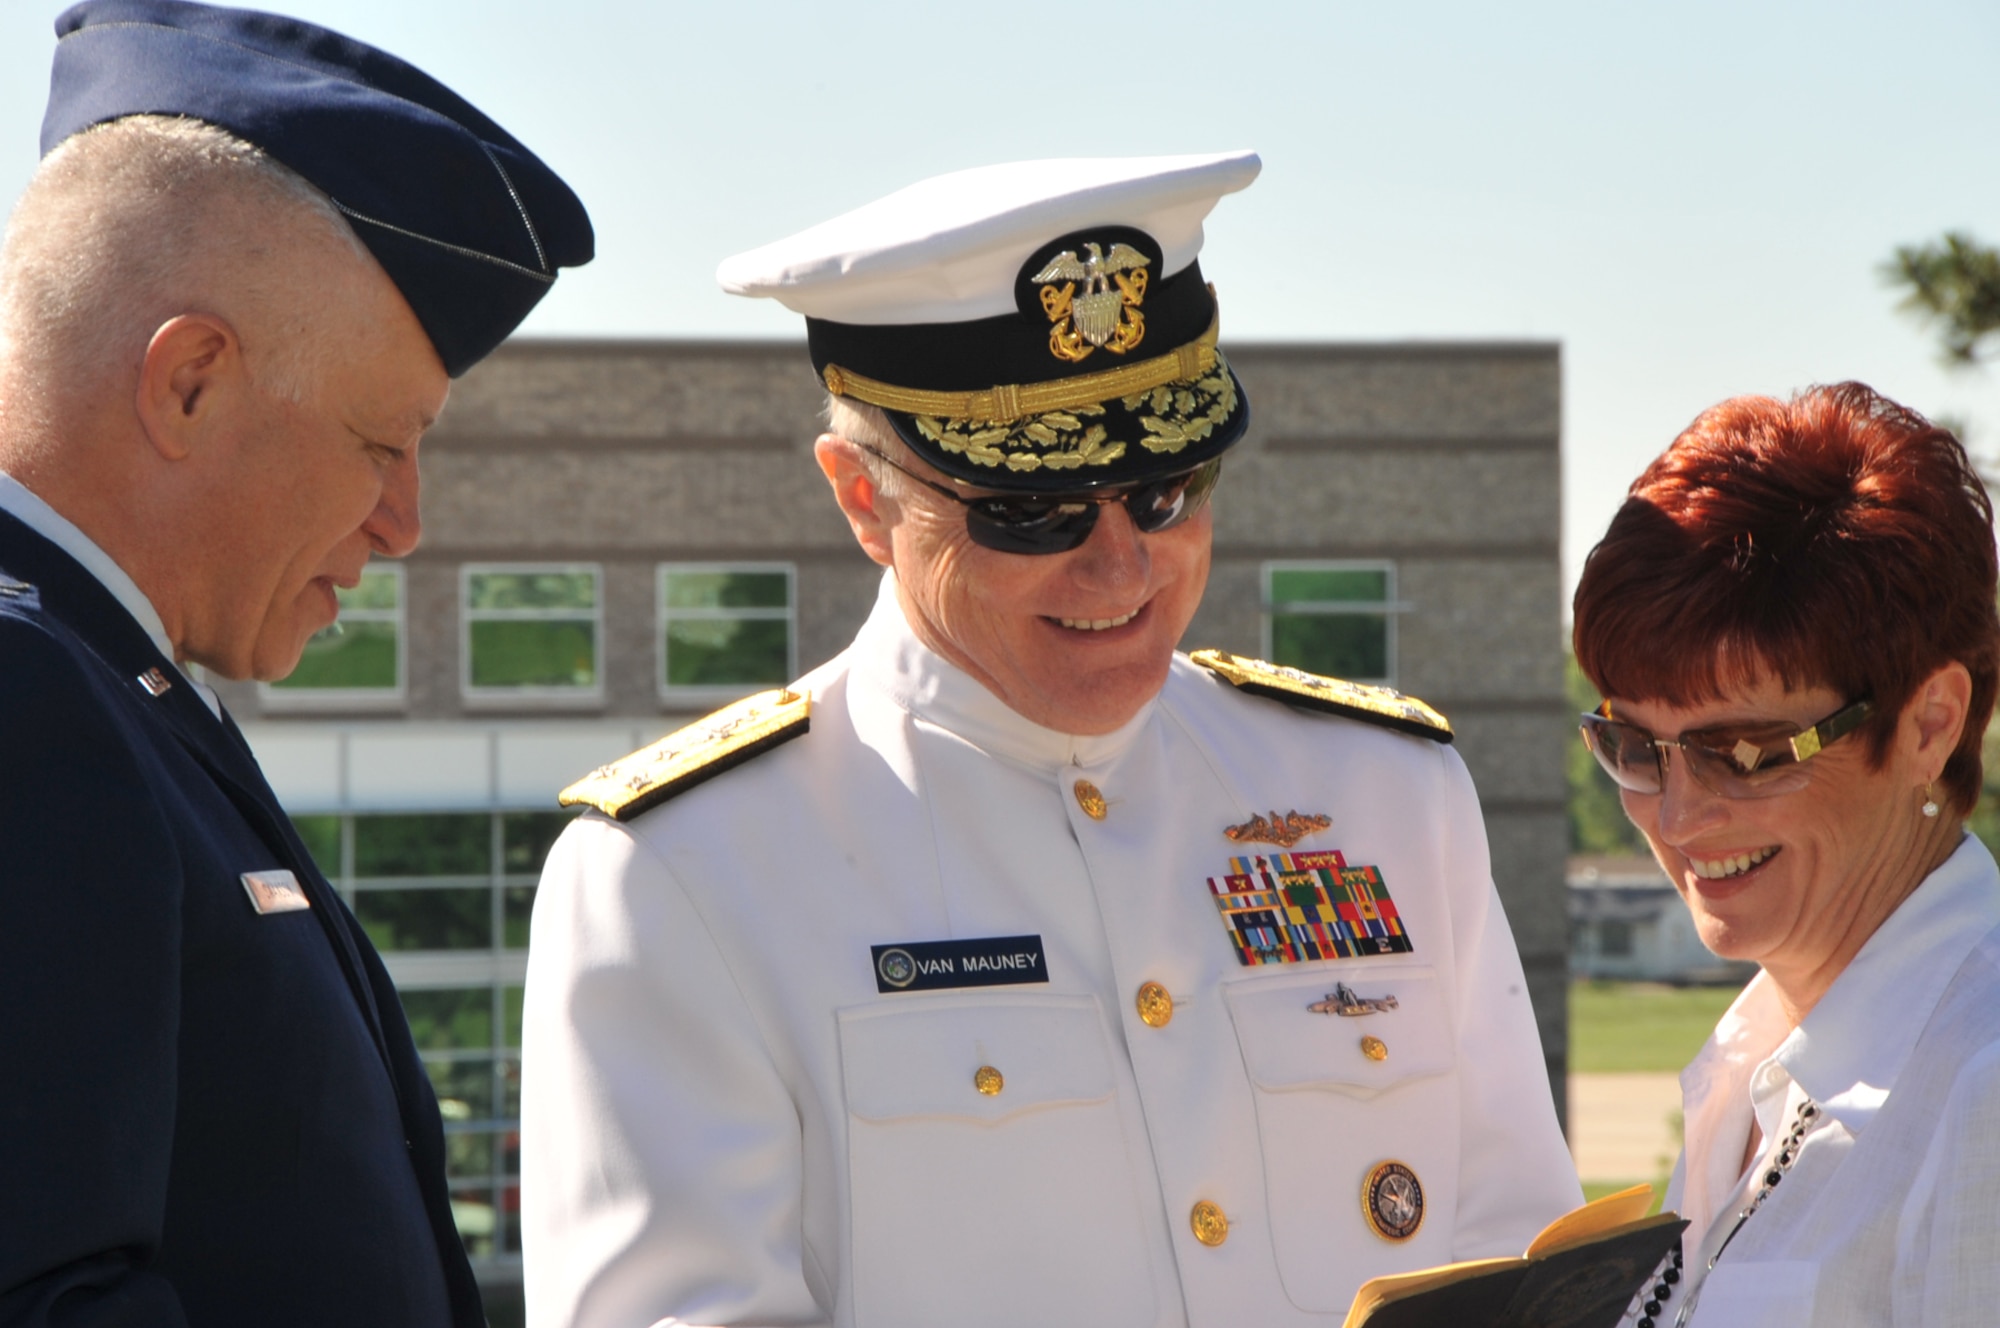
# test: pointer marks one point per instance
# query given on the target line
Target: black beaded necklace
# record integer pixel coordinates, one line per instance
(1780, 1162)
(1662, 1289)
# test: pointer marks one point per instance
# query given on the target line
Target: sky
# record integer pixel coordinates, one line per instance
(1694, 199)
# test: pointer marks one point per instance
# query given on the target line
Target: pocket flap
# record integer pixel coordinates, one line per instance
(1287, 1046)
(924, 1056)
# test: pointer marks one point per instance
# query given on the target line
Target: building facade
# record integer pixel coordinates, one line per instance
(620, 536)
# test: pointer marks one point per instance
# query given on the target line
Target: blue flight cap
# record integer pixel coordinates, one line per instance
(470, 225)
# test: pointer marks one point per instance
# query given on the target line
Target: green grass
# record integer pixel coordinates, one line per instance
(1635, 1027)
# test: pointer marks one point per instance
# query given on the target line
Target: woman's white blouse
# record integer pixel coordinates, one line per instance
(1891, 1214)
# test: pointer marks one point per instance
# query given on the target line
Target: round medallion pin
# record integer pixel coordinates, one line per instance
(1392, 1199)
(897, 968)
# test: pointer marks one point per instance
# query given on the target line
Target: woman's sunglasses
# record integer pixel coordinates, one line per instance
(1056, 523)
(1737, 761)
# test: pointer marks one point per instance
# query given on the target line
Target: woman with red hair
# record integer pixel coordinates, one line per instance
(1792, 621)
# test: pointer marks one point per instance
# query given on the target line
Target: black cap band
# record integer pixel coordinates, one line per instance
(1009, 348)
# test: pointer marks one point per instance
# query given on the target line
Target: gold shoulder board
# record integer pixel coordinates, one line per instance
(1376, 705)
(702, 750)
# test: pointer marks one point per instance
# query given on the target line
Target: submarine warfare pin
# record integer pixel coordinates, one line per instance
(1342, 1001)
(1284, 831)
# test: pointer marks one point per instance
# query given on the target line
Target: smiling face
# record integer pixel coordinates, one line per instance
(1078, 642)
(1795, 882)
(314, 487)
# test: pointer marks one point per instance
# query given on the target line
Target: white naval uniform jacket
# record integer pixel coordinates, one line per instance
(726, 1122)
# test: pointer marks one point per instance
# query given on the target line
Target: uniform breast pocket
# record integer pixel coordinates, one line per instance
(990, 1177)
(1357, 1118)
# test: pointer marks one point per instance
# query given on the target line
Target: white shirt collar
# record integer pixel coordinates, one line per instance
(25, 506)
(1848, 1051)
(888, 656)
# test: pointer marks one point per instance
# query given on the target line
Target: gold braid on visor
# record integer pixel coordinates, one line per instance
(1004, 404)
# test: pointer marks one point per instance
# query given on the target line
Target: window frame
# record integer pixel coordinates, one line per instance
(274, 698)
(710, 695)
(1622, 932)
(1389, 608)
(539, 696)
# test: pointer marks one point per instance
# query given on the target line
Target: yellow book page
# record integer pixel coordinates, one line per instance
(1579, 1226)
(1594, 1219)
(1378, 1291)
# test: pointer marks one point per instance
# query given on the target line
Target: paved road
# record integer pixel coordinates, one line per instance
(1624, 1126)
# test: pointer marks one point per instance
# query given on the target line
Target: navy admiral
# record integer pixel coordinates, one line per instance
(232, 297)
(1011, 968)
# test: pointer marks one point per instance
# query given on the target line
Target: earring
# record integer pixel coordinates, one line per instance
(1930, 807)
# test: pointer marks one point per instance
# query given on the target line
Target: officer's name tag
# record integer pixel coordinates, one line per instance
(275, 891)
(991, 961)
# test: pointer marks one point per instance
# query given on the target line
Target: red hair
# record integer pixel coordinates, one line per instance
(1837, 539)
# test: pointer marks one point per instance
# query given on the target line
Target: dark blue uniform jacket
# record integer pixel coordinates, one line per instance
(207, 1115)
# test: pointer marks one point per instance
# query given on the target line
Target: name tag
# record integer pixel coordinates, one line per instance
(274, 891)
(992, 961)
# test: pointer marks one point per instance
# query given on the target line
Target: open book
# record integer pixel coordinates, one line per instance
(1581, 1272)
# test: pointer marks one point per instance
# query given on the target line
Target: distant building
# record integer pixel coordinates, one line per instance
(620, 536)
(1627, 923)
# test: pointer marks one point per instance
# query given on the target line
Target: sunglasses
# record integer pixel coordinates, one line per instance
(1734, 761)
(1056, 523)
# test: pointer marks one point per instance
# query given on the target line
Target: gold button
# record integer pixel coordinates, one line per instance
(1156, 1005)
(988, 1080)
(1210, 1223)
(1375, 1049)
(1088, 798)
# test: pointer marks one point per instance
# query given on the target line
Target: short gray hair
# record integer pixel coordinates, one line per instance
(859, 422)
(131, 223)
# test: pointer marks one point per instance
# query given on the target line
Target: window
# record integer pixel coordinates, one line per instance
(359, 659)
(446, 897)
(725, 629)
(533, 631)
(1335, 618)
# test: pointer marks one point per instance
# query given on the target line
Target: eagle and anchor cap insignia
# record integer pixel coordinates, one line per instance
(1093, 298)
(1039, 327)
